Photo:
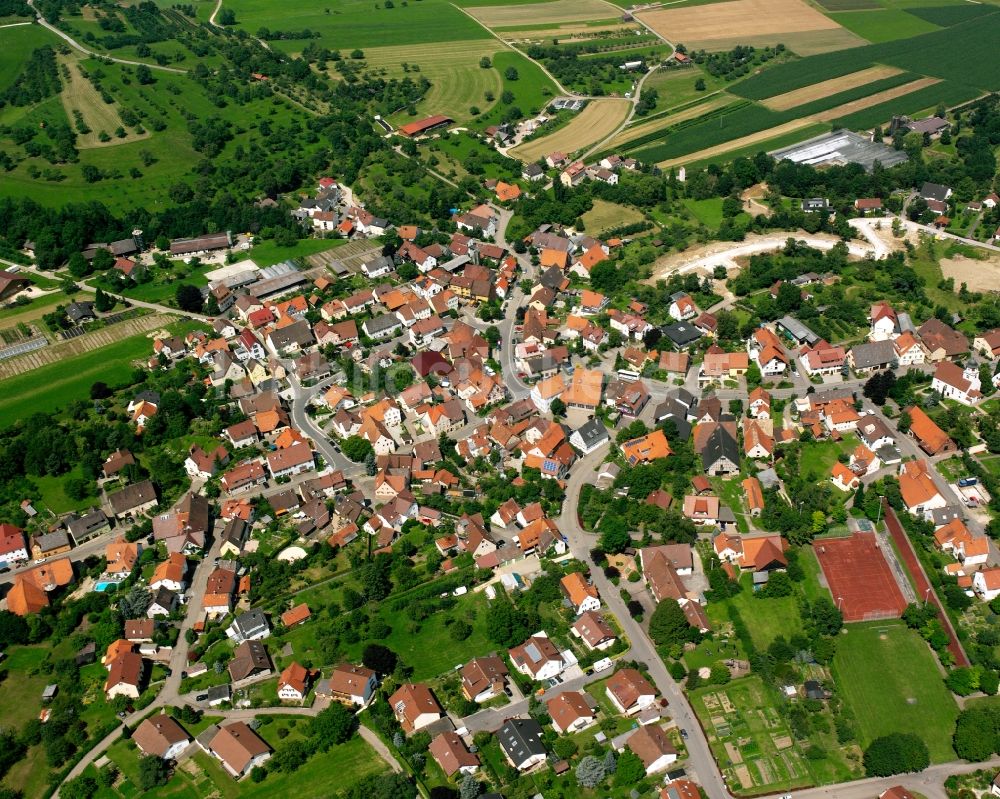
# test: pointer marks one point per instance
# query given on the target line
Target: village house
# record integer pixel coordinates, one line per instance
(415, 707)
(349, 684)
(594, 631)
(581, 595)
(570, 712)
(452, 755)
(629, 691)
(236, 746)
(484, 678)
(537, 658)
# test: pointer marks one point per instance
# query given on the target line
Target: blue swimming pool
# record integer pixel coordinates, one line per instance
(104, 586)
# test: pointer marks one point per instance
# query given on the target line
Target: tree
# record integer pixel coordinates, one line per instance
(153, 772)
(80, 788)
(668, 625)
(629, 769)
(977, 733)
(615, 537)
(506, 625)
(510, 73)
(469, 787)
(896, 753)
(485, 63)
(370, 464)
(102, 302)
(356, 448)
(379, 659)
(13, 629)
(333, 726)
(144, 75)
(134, 604)
(558, 407)
(962, 681)
(590, 772)
(878, 386)
(226, 17)
(699, 85)
(188, 298)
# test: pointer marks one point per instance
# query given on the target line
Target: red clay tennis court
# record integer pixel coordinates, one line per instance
(861, 582)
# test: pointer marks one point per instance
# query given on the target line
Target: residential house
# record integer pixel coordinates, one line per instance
(931, 438)
(629, 691)
(521, 742)
(161, 736)
(646, 449)
(537, 658)
(582, 595)
(350, 684)
(250, 626)
(484, 678)
(652, 746)
(452, 755)
(250, 661)
(872, 356)
(294, 682)
(125, 675)
(919, 492)
(594, 631)
(570, 712)
(415, 707)
(237, 747)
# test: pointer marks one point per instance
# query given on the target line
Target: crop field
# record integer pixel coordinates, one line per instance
(649, 131)
(946, 93)
(888, 677)
(457, 80)
(358, 23)
(946, 16)
(555, 12)
(887, 96)
(598, 120)
(798, 26)
(848, 5)
(961, 53)
(884, 24)
(808, 94)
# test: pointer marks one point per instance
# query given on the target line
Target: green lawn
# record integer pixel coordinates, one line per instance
(51, 387)
(16, 44)
(708, 212)
(20, 692)
(892, 684)
(818, 457)
(675, 87)
(531, 90)
(883, 25)
(267, 253)
(53, 493)
(38, 305)
(765, 618)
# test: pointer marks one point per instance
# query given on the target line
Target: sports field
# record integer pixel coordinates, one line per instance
(719, 26)
(861, 583)
(555, 12)
(595, 122)
(888, 678)
(807, 94)
(457, 80)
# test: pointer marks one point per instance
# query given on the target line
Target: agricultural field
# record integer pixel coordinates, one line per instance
(532, 90)
(457, 81)
(890, 680)
(800, 27)
(354, 23)
(884, 24)
(593, 124)
(807, 94)
(649, 130)
(675, 87)
(551, 13)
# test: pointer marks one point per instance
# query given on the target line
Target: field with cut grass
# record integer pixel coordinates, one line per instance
(457, 80)
(589, 126)
(889, 678)
(797, 25)
(532, 90)
(884, 25)
(358, 23)
(605, 216)
(79, 94)
(554, 12)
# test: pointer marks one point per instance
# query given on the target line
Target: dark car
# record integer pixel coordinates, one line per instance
(201, 697)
